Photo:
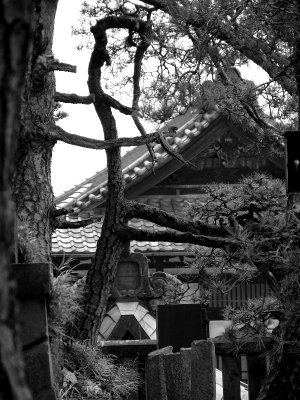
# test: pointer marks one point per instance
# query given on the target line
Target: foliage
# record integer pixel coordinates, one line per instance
(86, 372)
(258, 317)
(265, 196)
(66, 297)
(252, 211)
(89, 374)
(255, 211)
(204, 60)
(58, 113)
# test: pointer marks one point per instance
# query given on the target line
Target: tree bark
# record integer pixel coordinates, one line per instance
(15, 39)
(32, 188)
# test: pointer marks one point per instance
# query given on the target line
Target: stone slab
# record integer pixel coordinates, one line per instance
(156, 384)
(203, 370)
(32, 320)
(185, 390)
(179, 324)
(173, 374)
(32, 279)
(38, 370)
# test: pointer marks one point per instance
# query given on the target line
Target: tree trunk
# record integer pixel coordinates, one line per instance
(109, 248)
(32, 188)
(15, 39)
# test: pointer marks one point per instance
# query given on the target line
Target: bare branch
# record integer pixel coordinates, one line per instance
(76, 224)
(60, 211)
(129, 233)
(58, 133)
(46, 63)
(49, 63)
(58, 66)
(117, 105)
(142, 131)
(146, 36)
(163, 218)
(74, 98)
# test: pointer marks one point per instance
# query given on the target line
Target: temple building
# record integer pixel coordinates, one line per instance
(224, 151)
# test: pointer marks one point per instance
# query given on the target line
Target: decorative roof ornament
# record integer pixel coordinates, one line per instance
(228, 150)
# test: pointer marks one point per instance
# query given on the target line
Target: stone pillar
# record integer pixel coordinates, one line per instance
(185, 390)
(33, 286)
(156, 382)
(173, 374)
(203, 370)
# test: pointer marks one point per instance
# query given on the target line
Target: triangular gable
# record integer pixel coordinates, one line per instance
(195, 136)
(129, 161)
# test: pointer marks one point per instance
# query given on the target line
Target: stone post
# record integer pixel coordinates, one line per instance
(185, 390)
(33, 286)
(173, 374)
(156, 383)
(203, 370)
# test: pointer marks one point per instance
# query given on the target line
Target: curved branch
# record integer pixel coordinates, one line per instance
(171, 221)
(100, 56)
(175, 154)
(117, 105)
(74, 98)
(129, 233)
(58, 133)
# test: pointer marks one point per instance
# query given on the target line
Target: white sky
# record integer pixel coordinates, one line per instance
(71, 164)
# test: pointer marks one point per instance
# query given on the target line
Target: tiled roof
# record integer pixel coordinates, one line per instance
(137, 166)
(84, 240)
(137, 163)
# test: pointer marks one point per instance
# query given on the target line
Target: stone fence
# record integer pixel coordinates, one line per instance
(190, 374)
(187, 375)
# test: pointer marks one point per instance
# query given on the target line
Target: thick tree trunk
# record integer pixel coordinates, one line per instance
(32, 185)
(15, 39)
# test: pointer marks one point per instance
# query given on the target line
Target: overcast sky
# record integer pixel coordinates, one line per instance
(71, 165)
